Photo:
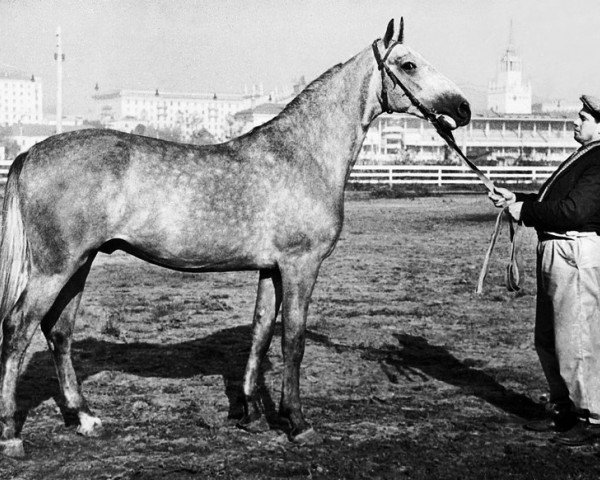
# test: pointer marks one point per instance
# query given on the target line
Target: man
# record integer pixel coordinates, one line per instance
(566, 215)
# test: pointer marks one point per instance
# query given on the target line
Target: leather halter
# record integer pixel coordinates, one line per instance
(383, 68)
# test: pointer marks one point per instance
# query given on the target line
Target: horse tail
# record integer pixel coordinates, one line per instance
(14, 250)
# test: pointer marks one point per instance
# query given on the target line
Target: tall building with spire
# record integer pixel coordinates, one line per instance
(508, 93)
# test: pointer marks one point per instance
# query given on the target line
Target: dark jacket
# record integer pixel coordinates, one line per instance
(570, 198)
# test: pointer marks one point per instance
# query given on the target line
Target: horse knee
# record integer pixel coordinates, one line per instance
(58, 342)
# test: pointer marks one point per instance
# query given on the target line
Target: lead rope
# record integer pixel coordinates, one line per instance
(512, 277)
(512, 270)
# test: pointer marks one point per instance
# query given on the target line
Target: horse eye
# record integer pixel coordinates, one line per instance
(408, 66)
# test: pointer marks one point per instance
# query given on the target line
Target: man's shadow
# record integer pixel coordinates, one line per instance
(225, 353)
(414, 356)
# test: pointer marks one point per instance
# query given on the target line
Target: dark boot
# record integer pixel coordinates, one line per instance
(583, 433)
(560, 418)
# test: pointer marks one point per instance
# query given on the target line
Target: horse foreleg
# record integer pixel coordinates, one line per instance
(298, 281)
(268, 301)
(58, 326)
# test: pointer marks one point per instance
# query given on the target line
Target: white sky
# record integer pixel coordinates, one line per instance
(220, 45)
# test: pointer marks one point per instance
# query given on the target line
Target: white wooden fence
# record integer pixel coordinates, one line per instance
(445, 174)
(4, 166)
(421, 174)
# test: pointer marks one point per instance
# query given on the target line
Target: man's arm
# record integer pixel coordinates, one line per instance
(526, 197)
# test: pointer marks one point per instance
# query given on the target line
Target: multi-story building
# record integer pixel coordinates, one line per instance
(20, 99)
(250, 118)
(185, 112)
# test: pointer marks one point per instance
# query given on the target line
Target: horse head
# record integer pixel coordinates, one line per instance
(410, 84)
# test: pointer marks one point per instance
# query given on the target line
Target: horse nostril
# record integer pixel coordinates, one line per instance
(464, 110)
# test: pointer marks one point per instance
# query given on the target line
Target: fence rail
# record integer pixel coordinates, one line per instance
(4, 166)
(445, 174)
(420, 174)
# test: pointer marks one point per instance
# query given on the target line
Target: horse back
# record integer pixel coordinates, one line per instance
(215, 207)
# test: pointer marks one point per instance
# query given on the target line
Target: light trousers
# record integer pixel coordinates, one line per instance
(567, 328)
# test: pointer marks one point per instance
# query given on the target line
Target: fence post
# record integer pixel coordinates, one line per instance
(533, 171)
(439, 177)
(390, 176)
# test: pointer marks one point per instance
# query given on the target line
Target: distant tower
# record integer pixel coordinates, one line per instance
(508, 93)
(60, 58)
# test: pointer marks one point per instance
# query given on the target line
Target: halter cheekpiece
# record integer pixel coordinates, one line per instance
(383, 68)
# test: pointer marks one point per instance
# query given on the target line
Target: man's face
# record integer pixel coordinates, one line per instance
(586, 128)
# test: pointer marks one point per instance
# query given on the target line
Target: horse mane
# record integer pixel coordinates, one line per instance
(313, 87)
(300, 102)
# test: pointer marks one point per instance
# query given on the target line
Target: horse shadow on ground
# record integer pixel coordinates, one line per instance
(225, 353)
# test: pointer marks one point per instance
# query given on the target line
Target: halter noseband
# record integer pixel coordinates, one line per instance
(383, 68)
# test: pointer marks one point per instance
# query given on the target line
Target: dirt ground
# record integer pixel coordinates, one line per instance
(407, 373)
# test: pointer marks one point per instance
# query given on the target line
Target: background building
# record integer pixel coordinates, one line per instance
(185, 112)
(508, 93)
(27, 135)
(246, 120)
(489, 138)
(20, 99)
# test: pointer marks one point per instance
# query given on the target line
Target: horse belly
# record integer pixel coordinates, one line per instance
(209, 255)
(193, 237)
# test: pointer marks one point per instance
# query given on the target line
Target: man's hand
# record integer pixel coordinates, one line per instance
(502, 197)
(514, 210)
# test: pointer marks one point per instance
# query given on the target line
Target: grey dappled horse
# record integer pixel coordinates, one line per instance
(271, 200)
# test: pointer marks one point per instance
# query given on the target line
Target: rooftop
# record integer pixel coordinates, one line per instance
(40, 130)
(170, 95)
(6, 75)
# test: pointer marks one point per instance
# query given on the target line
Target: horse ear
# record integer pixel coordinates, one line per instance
(401, 32)
(389, 33)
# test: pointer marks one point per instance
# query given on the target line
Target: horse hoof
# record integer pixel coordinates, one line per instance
(258, 425)
(308, 437)
(12, 448)
(89, 426)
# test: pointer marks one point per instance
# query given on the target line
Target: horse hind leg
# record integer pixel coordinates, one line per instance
(57, 326)
(268, 301)
(18, 329)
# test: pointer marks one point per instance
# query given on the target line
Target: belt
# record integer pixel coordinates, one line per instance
(568, 235)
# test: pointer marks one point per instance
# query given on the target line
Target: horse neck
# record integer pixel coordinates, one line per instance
(327, 123)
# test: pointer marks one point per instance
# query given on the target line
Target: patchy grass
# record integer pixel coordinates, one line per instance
(110, 326)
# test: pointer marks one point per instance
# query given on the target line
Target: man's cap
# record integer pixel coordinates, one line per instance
(592, 104)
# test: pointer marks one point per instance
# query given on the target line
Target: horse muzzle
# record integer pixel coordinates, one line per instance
(457, 115)
(463, 113)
